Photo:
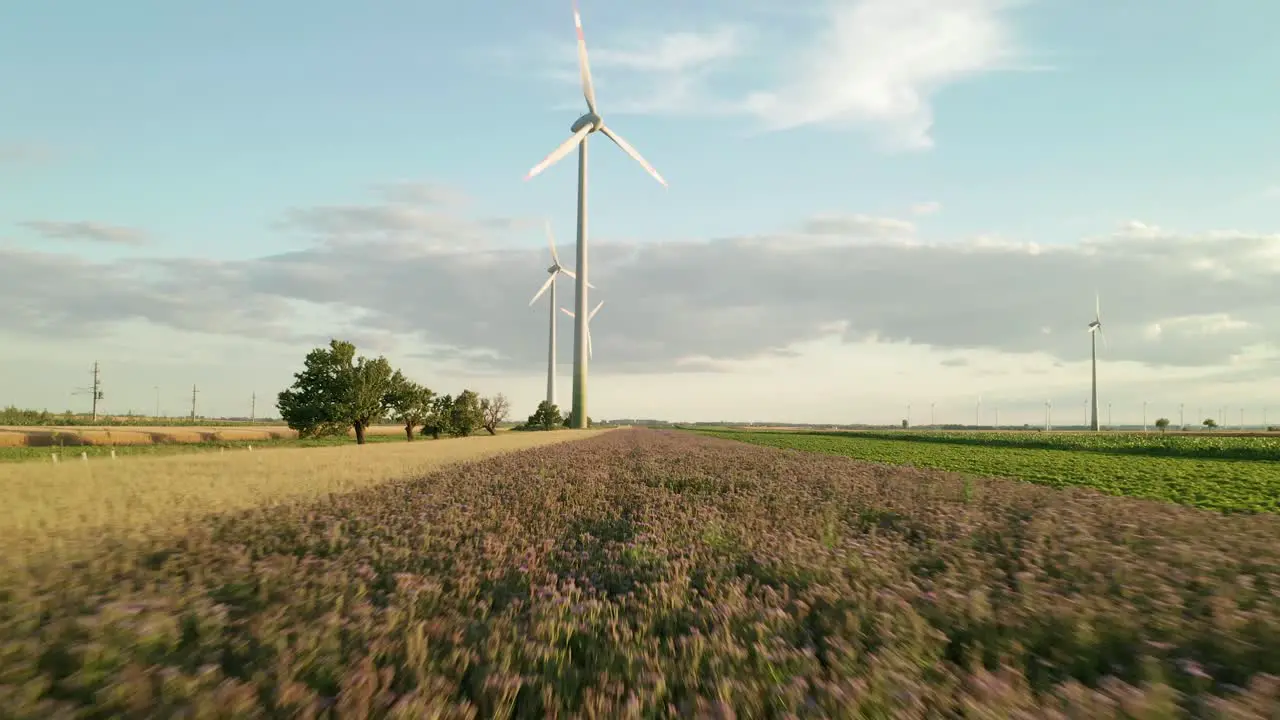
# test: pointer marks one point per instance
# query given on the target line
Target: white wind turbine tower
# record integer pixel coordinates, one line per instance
(581, 129)
(591, 315)
(1095, 330)
(555, 269)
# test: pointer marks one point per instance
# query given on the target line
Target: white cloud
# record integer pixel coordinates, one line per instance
(662, 73)
(858, 307)
(1198, 325)
(926, 208)
(858, 63)
(675, 52)
(878, 62)
(87, 231)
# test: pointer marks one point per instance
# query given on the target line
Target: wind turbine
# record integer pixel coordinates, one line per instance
(581, 129)
(593, 314)
(1095, 329)
(555, 269)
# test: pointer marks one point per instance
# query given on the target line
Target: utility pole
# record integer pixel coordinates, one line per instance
(157, 388)
(253, 406)
(193, 402)
(94, 391)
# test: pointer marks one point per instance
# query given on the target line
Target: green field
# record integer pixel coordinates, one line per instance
(1201, 472)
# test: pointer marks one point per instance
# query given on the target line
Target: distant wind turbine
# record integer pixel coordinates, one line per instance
(1095, 330)
(583, 127)
(555, 269)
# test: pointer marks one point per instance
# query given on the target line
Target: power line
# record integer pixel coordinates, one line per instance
(94, 391)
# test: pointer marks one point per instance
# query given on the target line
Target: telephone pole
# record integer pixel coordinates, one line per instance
(253, 406)
(94, 391)
(193, 402)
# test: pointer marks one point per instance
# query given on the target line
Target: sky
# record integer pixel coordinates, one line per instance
(875, 207)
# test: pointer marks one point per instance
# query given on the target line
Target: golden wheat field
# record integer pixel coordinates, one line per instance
(50, 436)
(58, 510)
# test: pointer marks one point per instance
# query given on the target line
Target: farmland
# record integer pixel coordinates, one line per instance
(645, 573)
(1221, 473)
(58, 510)
(40, 443)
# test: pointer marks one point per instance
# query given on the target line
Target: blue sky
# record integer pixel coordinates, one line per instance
(1042, 121)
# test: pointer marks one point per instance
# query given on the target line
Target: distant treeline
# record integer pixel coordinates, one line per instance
(22, 417)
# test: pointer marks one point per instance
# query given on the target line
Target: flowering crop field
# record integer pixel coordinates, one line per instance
(1118, 465)
(643, 573)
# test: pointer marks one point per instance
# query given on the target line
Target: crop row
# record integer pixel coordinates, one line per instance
(1220, 484)
(662, 574)
(1209, 446)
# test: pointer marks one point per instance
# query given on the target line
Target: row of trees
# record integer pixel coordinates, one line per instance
(337, 390)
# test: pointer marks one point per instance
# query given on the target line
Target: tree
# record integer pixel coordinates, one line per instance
(546, 417)
(493, 411)
(465, 417)
(1163, 424)
(438, 420)
(336, 390)
(568, 420)
(1210, 423)
(409, 402)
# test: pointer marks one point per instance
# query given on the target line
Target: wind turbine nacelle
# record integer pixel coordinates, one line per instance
(592, 120)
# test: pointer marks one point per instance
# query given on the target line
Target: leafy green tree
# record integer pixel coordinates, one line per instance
(409, 402)
(336, 390)
(546, 417)
(1210, 423)
(493, 411)
(465, 417)
(568, 420)
(438, 418)
(1163, 424)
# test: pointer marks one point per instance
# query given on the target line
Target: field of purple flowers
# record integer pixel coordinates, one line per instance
(658, 574)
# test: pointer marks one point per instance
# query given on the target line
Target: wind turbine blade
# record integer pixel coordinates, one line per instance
(626, 148)
(588, 341)
(551, 240)
(584, 68)
(567, 312)
(559, 152)
(574, 275)
(1103, 335)
(1097, 308)
(545, 285)
(593, 312)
